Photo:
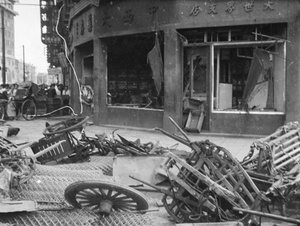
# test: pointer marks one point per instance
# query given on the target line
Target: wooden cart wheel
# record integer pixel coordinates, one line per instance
(183, 212)
(28, 109)
(68, 125)
(103, 197)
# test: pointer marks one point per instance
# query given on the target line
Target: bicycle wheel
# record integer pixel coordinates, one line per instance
(28, 109)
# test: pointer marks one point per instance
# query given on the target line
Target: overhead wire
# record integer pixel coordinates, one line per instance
(25, 4)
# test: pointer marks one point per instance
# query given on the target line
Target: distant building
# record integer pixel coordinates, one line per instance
(42, 78)
(30, 72)
(9, 27)
(14, 68)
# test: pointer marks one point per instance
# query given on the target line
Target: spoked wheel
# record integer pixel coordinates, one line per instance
(68, 125)
(190, 210)
(28, 109)
(103, 197)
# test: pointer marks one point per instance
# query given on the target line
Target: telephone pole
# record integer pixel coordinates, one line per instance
(24, 78)
(3, 47)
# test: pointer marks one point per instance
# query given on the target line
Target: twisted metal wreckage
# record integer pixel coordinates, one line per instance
(210, 186)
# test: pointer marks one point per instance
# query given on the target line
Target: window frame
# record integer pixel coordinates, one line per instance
(212, 77)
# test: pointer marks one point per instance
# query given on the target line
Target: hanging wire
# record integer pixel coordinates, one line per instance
(66, 54)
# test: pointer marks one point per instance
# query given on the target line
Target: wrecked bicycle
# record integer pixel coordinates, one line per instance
(75, 144)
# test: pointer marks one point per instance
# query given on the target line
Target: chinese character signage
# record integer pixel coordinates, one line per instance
(214, 7)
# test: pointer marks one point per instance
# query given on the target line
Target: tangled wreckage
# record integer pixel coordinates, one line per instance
(208, 185)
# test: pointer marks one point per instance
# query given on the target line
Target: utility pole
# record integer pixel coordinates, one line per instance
(3, 47)
(24, 78)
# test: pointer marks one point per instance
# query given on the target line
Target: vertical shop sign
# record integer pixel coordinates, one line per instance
(249, 6)
(230, 6)
(82, 27)
(90, 23)
(77, 30)
(128, 17)
(70, 39)
(268, 5)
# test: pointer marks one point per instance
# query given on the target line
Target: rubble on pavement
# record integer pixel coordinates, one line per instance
(212, 186)
(208, 185)
(15, 168)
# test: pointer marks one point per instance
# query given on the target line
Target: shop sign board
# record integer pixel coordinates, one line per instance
(120, 16)
(54, 71)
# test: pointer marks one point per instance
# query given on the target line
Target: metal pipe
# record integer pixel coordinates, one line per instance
(182, 132)
(175, 137)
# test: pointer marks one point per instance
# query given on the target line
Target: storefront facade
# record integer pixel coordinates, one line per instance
(147, 61)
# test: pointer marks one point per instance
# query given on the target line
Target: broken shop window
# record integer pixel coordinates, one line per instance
(249, 78)
(241, 68)
(135, 71)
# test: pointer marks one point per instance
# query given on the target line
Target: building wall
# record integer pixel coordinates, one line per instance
(9, 27)
(119, 18)
(293, 71)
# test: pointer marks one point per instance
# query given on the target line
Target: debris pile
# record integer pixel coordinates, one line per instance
(208, 185)
(15, 168)
(76, 146)
(273, 163)
(212, 186)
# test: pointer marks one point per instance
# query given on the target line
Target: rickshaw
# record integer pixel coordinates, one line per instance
(30, 102)
(26, 99)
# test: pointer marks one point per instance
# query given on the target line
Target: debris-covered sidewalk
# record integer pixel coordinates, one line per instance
(106, 179)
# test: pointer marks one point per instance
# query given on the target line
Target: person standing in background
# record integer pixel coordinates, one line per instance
(51, 91)
(66, 91)
(4, 99)
(57, 90)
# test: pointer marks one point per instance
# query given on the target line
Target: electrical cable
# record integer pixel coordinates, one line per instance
(73, 113)
(66, 54)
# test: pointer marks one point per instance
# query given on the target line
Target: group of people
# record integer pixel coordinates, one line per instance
(8, 92)
(54, 90)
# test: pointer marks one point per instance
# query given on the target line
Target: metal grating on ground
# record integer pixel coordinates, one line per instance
(75, 217)
(47, 188)
(95, 163)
